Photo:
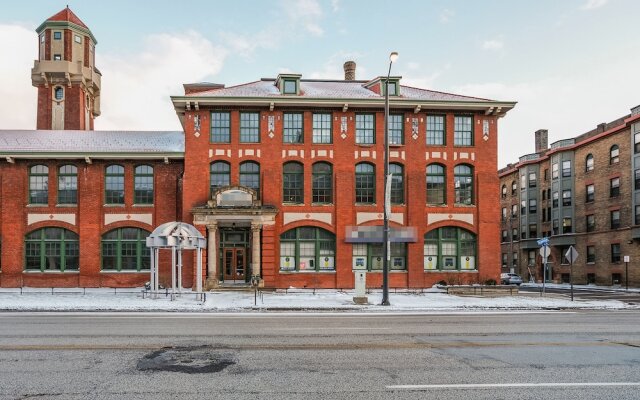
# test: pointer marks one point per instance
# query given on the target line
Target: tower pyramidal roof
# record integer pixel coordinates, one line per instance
(68, 16)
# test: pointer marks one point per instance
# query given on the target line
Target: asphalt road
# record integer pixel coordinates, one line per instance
(508, 355)
(582, 293)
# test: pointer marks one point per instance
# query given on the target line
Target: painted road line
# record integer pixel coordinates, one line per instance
(511, 385)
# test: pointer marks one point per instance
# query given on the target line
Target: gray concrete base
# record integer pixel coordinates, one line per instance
(361, 300)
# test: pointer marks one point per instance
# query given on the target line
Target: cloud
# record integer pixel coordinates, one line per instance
(593, 4)
(333, 68)
(493, 44)
(136, 87)
(446, 15)
(335, 5)
(307, 13)
(18, 110)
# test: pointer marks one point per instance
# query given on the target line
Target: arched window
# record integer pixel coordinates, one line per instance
(250, 175)
(322, 187)
(125, 249)
(450, 248)
(436, 184)
(365, 183)
(504, 191)
(68, 184)
(588, 163)
(307, 249)
(143, 185)
(39, 184)
(514, 188)
(614, 154)
(463, 184)
(220, 175)
(51, 249)
(293, 183)
(114, 184)
(397, 183)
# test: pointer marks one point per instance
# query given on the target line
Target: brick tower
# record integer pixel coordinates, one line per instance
(65, 74)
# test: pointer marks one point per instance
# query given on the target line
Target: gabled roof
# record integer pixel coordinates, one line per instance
(98, 144)
(68, 16)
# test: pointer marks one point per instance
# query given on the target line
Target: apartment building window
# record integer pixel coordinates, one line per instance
(588, 163)
(514, 188)
(114, 184)
(322, 183)
(533, 231)
(504, 191)
(636, 179)
(435, 130)
(396, 131)
(533, 206)
(322, 128)
(566, 225)
(533, 181)
(249, 127)
(636, 142)
(555, 200)
(397, 183)
(566, 197)
(505, 235)
(590, 193)
(463, 184)
(505, 259)
(554, 171)
(514, 210)
(637, 215)
(436, 184)
(523, 207)
(220, 127)
(523, 182)
(514, 259)
(614, 154)
(544, 195)
(555, 226)
(591, 222)
(68, 184)
(531, 258)
(523, 232)
(614, 187)
(566, 169)
(463, 131)
(250, 175)
(615, 252)
(365, 129)
(143, 184)
(591, 254)
(514, 234)
(292, 128)
(365, 183)
(546, 174)
(39, 184)
(615, 219)
(548, 213)
(293, 183)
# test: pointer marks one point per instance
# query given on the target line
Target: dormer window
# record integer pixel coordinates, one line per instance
(289, 87)
(393, 88)
(57, 35)
(288, 83)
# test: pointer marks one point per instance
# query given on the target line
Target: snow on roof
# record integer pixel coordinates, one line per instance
(330, 89)
(44, 141)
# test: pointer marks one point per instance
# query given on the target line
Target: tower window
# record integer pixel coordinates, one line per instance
(77, 38)
(57, 57)
(59, 93)
(57, 35)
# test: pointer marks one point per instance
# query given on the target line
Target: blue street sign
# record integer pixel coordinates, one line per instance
(543, 242)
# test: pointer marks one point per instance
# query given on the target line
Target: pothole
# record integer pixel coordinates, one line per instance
(190, 360)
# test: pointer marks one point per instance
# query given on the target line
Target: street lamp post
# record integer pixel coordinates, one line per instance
(387, 200)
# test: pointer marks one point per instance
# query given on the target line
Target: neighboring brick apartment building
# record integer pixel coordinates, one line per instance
(582, 192)
(283, 176)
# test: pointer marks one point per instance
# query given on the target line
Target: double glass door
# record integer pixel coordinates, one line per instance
(234, 261)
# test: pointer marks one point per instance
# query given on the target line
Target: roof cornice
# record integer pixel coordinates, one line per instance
(65, 24)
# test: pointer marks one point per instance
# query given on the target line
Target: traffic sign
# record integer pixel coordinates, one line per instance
(544, 252)
(543, 242)
(571, 255)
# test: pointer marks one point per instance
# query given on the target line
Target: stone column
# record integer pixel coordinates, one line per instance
(255, 249)
(212, 256)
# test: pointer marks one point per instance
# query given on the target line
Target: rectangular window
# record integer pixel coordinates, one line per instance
(292, 128)
(365, 129)
(533, 231)
(322, 128)
(637, 215)
(615, 252)
(533, 206)
(463, 131)
(514, 259)
(77, 38)
(523, 182)
(614, 187)
(566, 225)
(504, 213)
(636, 176)
(504, 259)
(435, 130)
(57, 57)
(554, 171)
(531, 258)
(392, 87)
(523, 232)
(546, 174)
(396, 134)
(56, 36)
(533, 181)
(566, 169)
(566, 197)
(514, 210)
(636, 142)
(615, 219)
(249, 127)
(505, 235)
(220, 127)
(591, 223)
(523, 207)
(555, 226)
(290, 87)
(591, 254)
(591, 193)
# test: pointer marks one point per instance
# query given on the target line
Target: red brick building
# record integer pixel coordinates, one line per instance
(284, 176)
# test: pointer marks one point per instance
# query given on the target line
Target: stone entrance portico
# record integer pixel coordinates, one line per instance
(233, 207)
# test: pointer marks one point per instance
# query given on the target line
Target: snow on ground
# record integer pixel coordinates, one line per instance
(74, 299)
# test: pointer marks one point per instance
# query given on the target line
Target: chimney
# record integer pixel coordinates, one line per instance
(350, 71)
(542, 140)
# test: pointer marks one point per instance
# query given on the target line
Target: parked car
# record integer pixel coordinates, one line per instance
(510, 279)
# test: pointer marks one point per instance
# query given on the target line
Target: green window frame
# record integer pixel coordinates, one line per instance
(436, 184)
(220, 127)
(365, 129)
(369, 256)
(396, 129)
(365, 183)
(463, 130)
(250, 176)
(397, 183)
(39, 185)
(450, 249)
(307, 249)
(463, 184)
(219, 175)
(289, 86)
(322, 183)
(249, 127)
(125, 249)
(436, 130)
(52, 249)
(293, 183)
(322, 128)
(292, 127)
(143, 184)
(68, 184)
(114, 184)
